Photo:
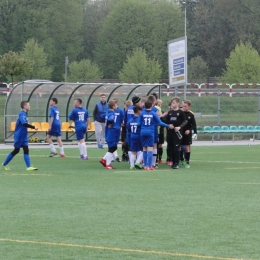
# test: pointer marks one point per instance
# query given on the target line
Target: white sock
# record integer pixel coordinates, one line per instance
(61, 150)
(79, 146)
(115, 154)
(83, 149)
(52, 147)
(105, 156)
(139, 157)
(109, 158)
(132, 159)
(154, 156)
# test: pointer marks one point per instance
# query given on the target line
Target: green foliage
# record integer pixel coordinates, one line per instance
(243, 65)
(198, 69)
(14, 64)
(139, 68)
(133, 24)
(40, 69)
(83, 71)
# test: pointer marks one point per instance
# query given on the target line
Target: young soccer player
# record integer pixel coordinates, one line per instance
(54, 128)
(148, 120)
(177, 118)
(136, 148)
(125, 148)
(21, 138)
(119, 120)
(187, 133)
(81, 119)
(110, 131)
(160, 135)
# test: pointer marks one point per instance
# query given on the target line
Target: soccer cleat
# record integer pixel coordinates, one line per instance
(109, 167)
(181, 163)
(118, 159)
(156, 166)
(175, 166)
(169, 163)
(138, 166)
(5, 167)
(31, 168)
(53, 154)
(84, 157)
(146, 168)
(132, 168)
(160, 162)
(103, 162)
(62, 156)
(187, 166)
(152, 168)
(101, 146)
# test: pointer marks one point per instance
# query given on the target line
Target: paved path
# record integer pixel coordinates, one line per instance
(93, 145)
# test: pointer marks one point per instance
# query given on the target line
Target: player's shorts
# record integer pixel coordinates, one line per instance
(161, 138)
(52, 133)
(136, 144)
(111, 144)
(117, 135)
(186, 139)
(80, 132)
(20, 144)
(147, 140)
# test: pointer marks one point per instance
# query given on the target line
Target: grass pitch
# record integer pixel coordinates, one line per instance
(73, 209)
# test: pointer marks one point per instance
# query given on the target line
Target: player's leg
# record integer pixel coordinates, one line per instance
(9, 157)
(62, 154)
(160, 152)
(27, 159)
(176, 152)
(187, 156)
(154, 155)
(132, 159)
(115, 154)
(53, 150)
(139, 148)
(80, 135)
(109, 156)
(98, 133)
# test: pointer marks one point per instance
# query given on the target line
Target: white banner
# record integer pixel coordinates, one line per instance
(177, 62)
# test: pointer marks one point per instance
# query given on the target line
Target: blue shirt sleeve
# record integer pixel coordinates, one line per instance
(159, 121)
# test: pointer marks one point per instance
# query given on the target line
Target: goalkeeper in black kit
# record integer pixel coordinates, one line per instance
(187, 134)
(176, 117)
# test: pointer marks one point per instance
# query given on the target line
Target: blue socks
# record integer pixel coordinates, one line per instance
(145, 158)
(27, 160)
(8, 159)
(150, 158)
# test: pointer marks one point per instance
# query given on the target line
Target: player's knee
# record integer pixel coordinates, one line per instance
(25, 150)
(15, 151)
(112, 149)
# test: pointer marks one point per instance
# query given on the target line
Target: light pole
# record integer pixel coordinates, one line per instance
(186, 52)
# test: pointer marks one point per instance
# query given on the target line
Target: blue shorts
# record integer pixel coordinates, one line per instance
(20, 144)
(111, 144)
(136, 144)
(80, 132)
(147, 140)
(52, 133)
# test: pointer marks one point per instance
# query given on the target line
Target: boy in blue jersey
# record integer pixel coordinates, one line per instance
(136, 148)
(148, 120)
(119, 120)
(21, 138)
(54, 128)
(110, 132)
(81, 119)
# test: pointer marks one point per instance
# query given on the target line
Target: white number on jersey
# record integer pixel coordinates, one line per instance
(147, 121)
(57, 115)
(81, 116)
(133, 128)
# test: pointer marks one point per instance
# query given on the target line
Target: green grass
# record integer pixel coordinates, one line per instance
(72, 209)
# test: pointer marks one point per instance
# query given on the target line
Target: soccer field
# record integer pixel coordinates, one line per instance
(73, 209)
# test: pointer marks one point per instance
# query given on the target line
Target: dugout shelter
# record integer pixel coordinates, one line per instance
(40, 93)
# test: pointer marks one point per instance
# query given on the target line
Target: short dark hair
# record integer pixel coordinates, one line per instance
(155, 95)
(55, 100)
(79, 100)
(137, 108)
(23, 104)
(151, 98)
(148, 104)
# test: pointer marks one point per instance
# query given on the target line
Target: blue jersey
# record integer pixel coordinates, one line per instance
(119, 118)
(134, 126)
(79, 115)
(21, 132)
(129, 114)
(148, 120)
(54, 112)
(110, 130)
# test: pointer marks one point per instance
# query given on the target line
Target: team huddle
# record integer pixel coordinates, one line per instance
(141, 126)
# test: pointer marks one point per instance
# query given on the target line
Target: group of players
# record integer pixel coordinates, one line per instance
(141, 125)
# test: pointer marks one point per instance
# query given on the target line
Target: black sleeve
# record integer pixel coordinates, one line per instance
(193, 124)
(29, 126)
(183, 119)
(94, 112)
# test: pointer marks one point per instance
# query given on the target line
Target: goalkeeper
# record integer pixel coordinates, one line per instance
(187, 133)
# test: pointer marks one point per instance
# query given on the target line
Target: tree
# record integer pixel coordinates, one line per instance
(139, 68)
(40, 69)
(14, 64)
(83, 71)
(135, 23)
(243, 65)
(198, 69)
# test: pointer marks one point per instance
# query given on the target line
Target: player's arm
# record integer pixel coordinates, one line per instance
(183, 120)
(50, 123)
(30, 126)
(160, 122)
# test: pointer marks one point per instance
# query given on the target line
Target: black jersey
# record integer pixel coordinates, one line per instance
(191, 122)
(176, 118)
